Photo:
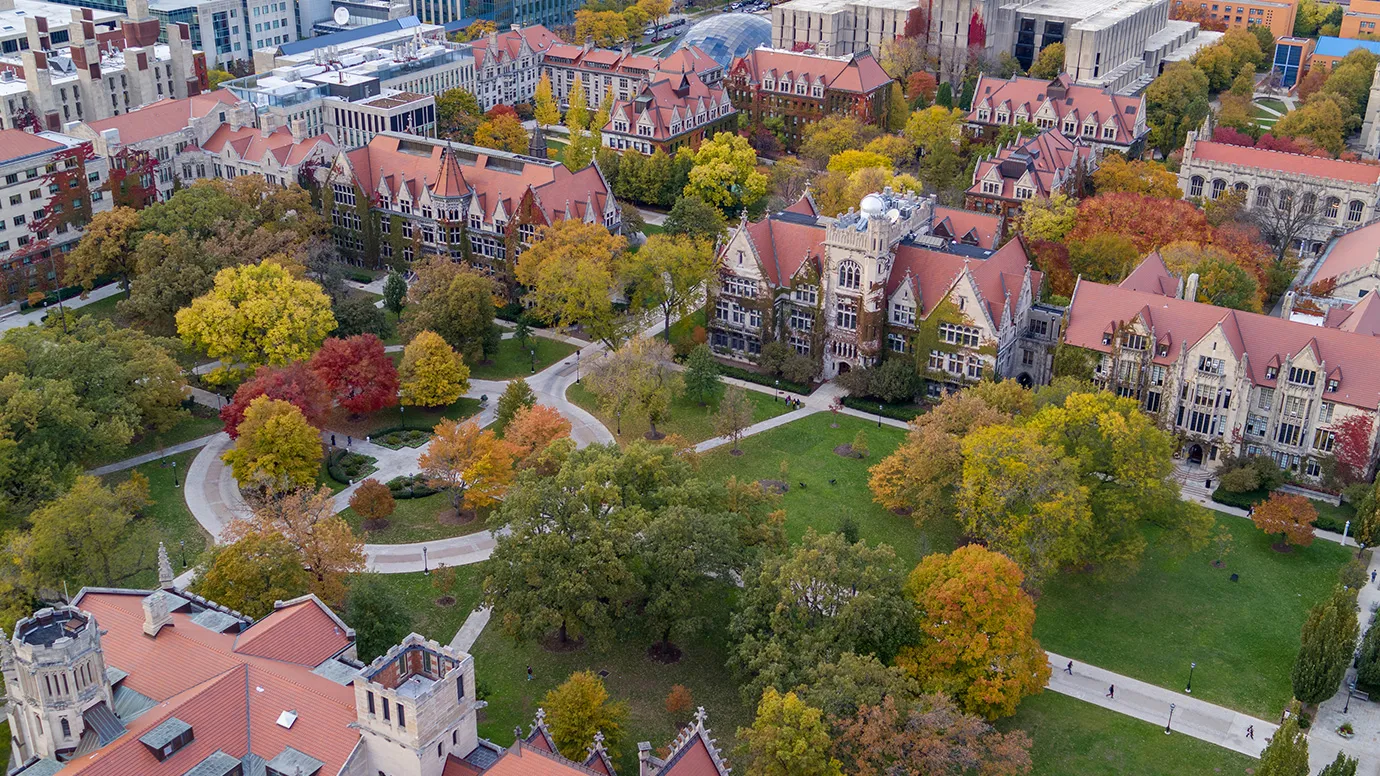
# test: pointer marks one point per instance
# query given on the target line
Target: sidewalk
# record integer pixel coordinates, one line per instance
(140, 460)
(757, 428)
(20, 320)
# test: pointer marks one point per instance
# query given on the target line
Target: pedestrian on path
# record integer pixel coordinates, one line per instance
(1069, 669)
(1250, 732)
(332, 440)
(529, 673)
(1372, 577)
(349, 441)
(1111, 692)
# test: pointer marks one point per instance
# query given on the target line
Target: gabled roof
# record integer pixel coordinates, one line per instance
(784, 244)
(1042, 162)
(17, 144)
(1360, 318)
(1064, 97)
(301, 631)
(250, 144)
(690, 59)
(1098, 308)
(967, 226)
(1281, 161)
(857, 73)
(1152, 276)
(538, 39)
(694, 752)
(1349, 251)
(934, 273)
(670, 103)
(165, 116)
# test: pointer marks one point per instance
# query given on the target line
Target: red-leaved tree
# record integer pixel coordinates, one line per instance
(1148, 222)
(294, 383)
(358, 372)
(1352, 446)
(1232, 136)
(1271, 143)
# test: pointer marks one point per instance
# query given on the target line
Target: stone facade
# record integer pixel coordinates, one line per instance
(801, 89)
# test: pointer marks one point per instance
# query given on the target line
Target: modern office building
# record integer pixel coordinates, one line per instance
(837, 27)
(1275, 15)
(14, 36)
(1291, 57)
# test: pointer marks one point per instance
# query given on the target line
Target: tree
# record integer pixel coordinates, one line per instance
(295, 383)
(432, 373)
(373, 501)
(725, 173)
(455, 302)
(1287, 752)
(458, 114)
(692, 217)
(376, 614)
(1103, 258)
(834, 134)
(1115, 173)
(249, 575)
(734, 415)
(1050, 63)
(516, 395)
(1049, 219)
(78, 536)
(787, 738)
(217, 76)
(395, 293)
(1289, 515)
(666, 274)
(897, 108)
(682, 551)
(844, 687)
(502, 132)
(358, 372)
(277, 448)
(1326, 646)
(547, 112)
(1352, 447)
(580, 707)
(930, 737)
(1287, 215)
(328, 549)
(1176, 102)
(813, 603)
(1147, 222)
(256, 315)
(977, 643)
(105, 249)
(1368, 661)
(850, 161)
(606, 29)
(638, 377)
(472, 463)
(569, 273)
(935, 128)
(1342, 766)
(679, 701)
(532, 430)
(1225, 283)
(702, 374)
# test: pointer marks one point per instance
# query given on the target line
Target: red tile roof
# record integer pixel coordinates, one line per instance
(16, 144)
(935, 272)
(693, 760)
(858, 73)
(1152, 276)
(688, 60)
(681, 101)
(165, 116)
(784, 245)
(1360, 318)
(250, 144)
(967, 226)
(538, 39)
(523, 760)
(230, 698)
(1280, 161)
(1045, 161)
(304, 633)
(1098, 308)
(1350, 251)
(1029, 95)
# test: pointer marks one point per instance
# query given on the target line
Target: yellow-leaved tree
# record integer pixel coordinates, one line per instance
(725, 173)
(256, 315)
(472, 463)
(569, 273)
(546, 112)
(277, 448)
(432, 373)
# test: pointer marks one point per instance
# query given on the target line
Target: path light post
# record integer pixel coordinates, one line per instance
(577, 366)
(1171, 719)
(777, 395)
(1350, 688)
(425, 570)
(402, 416)
(533, 353)
(1189, 689)
(879, 416)
(174, 463)
(183, 542)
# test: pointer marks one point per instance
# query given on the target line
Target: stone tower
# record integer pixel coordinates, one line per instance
(416, 705)
(55, 673)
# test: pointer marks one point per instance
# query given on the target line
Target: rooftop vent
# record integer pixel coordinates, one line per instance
(286, 719)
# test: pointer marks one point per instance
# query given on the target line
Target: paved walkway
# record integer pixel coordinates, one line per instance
(757, 428)
(469, 632)
(20, 320)
(140, 460)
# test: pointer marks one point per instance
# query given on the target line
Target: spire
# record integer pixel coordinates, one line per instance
(165, 572)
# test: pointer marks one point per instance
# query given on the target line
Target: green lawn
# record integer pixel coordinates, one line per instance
(514, 360)
(103, 309)
(688, 418)
(202, 422)
(417, 594)
(1270, 102)
(807, 445)
(166, 519)
(1072, 737)
(632, 677)
(651, 229)
(683, 330)
(412, 417)
(414, 520)
(1243, 635)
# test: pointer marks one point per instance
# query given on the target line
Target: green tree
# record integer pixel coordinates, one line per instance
(1342, 766)
(692, 217)
(458, 114)
(638, 377)
(78, 536)
(569, 274)
(1223, 282)
(1176, 102)
(516, 395)
(1103, 258)
(455, 302)
(277, 449)
(257, 315)
(1049, 219)
(105, 249)
(1368, 662)
(376, 614)
(577, 115)
(1287, 752)
(1328, 640)
(702, 374)
(395, 293)
(843, 687)
(810, 605)
(897, 108)
(249, 575)
(580, 707)
(725, 173)
(1050, 63)
(682, 551)
(432, 374)
(666, 274)
(1320, 119)
(787, 738)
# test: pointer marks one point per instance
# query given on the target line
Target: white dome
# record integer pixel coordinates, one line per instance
(872, 205)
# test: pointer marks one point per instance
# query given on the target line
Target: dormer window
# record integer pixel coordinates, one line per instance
(1070, 127)
(817, 91)
(1023, 192)
(1002, 116)
(991, 187)
(1109, 133)
(167, 738)
(1333, 384)
(984, 114)
(1271, 372)
(768, 84)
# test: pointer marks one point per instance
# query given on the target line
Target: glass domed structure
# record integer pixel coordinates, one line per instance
(726, 36)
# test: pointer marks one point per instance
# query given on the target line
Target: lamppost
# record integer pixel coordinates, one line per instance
(1170, 721)
(183, 542)
(1189, 689)
(533, 354)
(777, 395)
(174, 464)
(577, 366)
(425, 570)
(402, 416)
(879, 416)
(1350, 688)
(618, 418)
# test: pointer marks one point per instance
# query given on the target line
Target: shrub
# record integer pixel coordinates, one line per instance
(410, 486)
(679, 701)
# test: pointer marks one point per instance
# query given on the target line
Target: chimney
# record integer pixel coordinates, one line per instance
(156, 613)
(165, 572)
(1191, 287)
(644, 759)
(1288, 305)
(299, 130)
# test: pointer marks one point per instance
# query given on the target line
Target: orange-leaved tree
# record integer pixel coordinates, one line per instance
(472, 463)
(330, 550)
(1289, 515)
(532, 429)
(374, 502)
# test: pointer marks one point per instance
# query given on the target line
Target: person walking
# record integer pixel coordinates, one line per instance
(1372, 577)
(1069, 668)
(529, 673)
(1250, 732)
(1111, 692)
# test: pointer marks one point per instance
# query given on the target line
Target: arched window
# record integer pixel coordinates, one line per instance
(1353, 211)
(850, 275)
(1331, 207)
(1241, 188)
(1310, 202)
(1218, 186)
(1262, 196)
(66, 729)
(1286, 199)
(1195, 186)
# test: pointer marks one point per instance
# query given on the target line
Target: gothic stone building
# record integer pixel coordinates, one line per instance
(801, 89)
(844, 289)
(1225, 379)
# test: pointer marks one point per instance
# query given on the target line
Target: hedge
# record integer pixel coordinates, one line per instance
(346, 467)
(410, 486)
(1248, 499)
(739, 373)
(405, 437)
(905, 412)
(67, 292)
(360, 277)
